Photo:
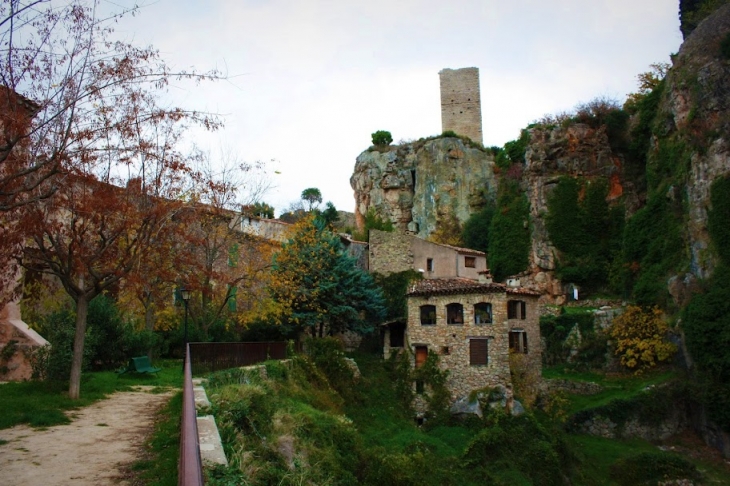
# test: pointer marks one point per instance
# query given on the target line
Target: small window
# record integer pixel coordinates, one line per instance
(516, 309)
(518, 341)
(470, 262)
(429, 264)
(483, 313)
(445, 350)
(455, 314)
(419, 387)
(478, 352)
(428, 315)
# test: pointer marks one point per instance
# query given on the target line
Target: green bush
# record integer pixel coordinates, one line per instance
(650, 468)
(586, 231)
(382, 138)
(394, 287)
(475, 234)
(555, 330)
(509, 241)
(521, 446)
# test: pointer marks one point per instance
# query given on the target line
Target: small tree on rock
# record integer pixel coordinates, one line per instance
(382, 138)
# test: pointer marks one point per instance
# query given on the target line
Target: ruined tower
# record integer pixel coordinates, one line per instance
(461, 106)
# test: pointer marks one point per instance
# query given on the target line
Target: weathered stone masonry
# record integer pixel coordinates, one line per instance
(452, 341)
(461, 106)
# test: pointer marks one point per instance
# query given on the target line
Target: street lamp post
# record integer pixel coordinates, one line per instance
(185, 294)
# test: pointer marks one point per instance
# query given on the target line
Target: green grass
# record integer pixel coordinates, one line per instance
(621, 386)
(596, 455)
(159, 468)
(46, 403)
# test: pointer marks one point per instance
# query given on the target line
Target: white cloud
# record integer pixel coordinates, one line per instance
(311, 80)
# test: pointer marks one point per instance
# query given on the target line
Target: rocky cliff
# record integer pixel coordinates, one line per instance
(696, 112)
(415, 185)
(577, 151)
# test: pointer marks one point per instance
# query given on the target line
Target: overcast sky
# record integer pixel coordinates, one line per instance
(310, 80)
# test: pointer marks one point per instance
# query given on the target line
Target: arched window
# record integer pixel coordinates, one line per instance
(483, 313)
(428, 315)
(454, 314)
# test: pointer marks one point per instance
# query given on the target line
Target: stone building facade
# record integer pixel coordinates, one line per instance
(461, 105)
(473, 326)
(393, 251)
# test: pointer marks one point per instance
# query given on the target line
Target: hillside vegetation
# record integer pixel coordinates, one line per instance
(310, 421)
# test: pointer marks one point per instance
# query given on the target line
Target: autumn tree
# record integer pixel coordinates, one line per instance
(101, 173)
(222, 266)
(320, 286)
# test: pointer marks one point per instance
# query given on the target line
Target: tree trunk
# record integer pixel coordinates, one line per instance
(74, 385)
(149, 321)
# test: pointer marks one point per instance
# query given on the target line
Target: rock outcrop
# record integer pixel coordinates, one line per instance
(697, 110)
(414, 185)
(576, 151)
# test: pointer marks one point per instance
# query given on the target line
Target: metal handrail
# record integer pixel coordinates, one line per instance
(190, 466)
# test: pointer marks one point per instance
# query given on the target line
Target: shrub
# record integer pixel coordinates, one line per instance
(476, 229)
(649, 468)
(382, 138)
(640, 338)
(372, 221)
(509, 241)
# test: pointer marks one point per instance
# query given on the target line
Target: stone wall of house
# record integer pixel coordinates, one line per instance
(390, 252)
(269, 229)
(461, 105)
(17, 344)
(451, 341)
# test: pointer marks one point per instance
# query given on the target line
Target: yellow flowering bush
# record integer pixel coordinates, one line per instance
(640, 338)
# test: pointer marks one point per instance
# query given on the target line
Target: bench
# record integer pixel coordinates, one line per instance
(139, 365)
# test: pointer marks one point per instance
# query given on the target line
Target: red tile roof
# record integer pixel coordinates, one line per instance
(450, 286)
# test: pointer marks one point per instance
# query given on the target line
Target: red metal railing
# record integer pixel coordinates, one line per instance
(190, 467)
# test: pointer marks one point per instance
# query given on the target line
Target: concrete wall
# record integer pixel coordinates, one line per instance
(461, 106)
(464, 377)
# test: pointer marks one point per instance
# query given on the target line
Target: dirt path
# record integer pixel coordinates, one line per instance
(92, 450)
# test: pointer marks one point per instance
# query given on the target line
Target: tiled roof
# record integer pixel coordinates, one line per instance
(451, 286)
(464, 251)
(444, 286)
(523, 291)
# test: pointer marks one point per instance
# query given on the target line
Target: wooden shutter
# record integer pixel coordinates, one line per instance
(478, 351)
(524, 342)
(523, 309)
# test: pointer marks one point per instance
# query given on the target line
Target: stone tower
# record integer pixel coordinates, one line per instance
(461, 106)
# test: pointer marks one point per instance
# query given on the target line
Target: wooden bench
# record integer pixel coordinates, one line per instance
(139, 365)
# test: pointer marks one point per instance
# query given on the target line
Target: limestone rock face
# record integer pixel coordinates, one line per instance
(577, 151)
(416, 184)
(698, 108)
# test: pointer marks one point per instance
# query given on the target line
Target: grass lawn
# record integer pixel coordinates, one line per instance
(45, 403)
(618, 386)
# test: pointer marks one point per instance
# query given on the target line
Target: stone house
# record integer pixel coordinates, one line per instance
(392, 252)
(473, 326)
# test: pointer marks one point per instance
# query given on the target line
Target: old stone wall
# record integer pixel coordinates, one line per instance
(451, 341)
(461, 105)
(390, 252)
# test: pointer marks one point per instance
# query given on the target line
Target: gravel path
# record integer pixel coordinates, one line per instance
(94, 449)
